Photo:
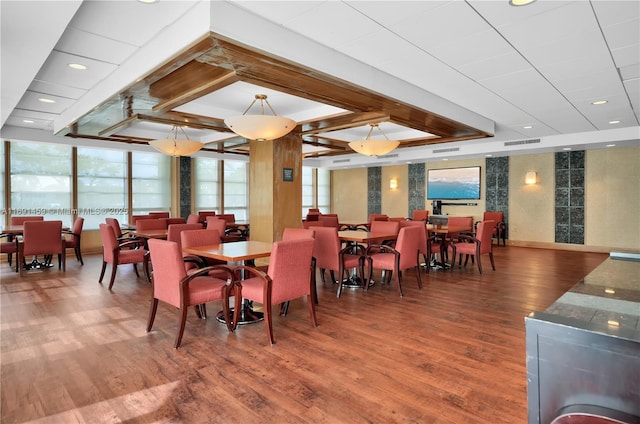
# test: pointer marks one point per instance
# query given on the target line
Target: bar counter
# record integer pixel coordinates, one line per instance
(583, 352)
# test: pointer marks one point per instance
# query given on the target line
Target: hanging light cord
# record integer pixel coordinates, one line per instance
(263, 100)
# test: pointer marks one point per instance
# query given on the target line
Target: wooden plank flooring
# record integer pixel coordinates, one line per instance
(454, 352)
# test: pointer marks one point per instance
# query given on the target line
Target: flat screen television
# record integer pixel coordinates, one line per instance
(453, 183)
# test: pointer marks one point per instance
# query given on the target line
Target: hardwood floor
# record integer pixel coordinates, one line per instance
(453, 352)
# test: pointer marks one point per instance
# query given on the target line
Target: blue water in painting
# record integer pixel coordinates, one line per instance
(447, 189)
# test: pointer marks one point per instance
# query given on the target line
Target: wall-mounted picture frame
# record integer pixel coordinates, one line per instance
(287, 174)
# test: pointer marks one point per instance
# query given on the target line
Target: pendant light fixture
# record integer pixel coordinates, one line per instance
(174, 146)
(374, 147)
(260, 127)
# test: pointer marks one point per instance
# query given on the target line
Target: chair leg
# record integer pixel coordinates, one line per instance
(135, 268)
(493, 265)
(79, 255)
(312, 311)
(398, 281)
(114, 269)
(268, 322)
(152, 313)
(104, 268)
(183, 320)
(479, 264)
(198, 311)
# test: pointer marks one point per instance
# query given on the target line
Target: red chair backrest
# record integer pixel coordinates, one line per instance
(194, 219)
(151, 224)
(329, 220)
(204, 214)
(387, 227)
(327, 248)
(461, 221)
(135, 218)
(218, 224)
(297, 233)
(290, 269)
(423, 232)
(174, 230)
(229, 217)
(42, 237)
(408, 244)
(377, 217)
(484, 232)
(19, 220)
(109, 242)
(309, 224)
(168, 270)
(77, 225)
(113, 222)
(420, 215)
(493, 216)
(155, 215)
(192, 238)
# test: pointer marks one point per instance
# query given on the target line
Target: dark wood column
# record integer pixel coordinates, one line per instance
(275, 186)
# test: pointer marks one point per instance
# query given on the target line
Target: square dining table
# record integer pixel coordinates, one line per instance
(235, 253)
(361, 237)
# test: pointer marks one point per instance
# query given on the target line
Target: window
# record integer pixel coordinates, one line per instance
(206, 186)
(324, 190)
(151, 182)
(102, 186)
(41, 180)
(308, 193)
(235, 189)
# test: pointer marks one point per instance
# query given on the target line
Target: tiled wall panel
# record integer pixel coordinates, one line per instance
(497, 187)
(569, 197)
(185, 186)
(374, 190)
(417, 187)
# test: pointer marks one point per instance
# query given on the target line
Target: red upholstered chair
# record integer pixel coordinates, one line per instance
(479, 245)
(9, 247)
(296, 233)
(329, 220)
(171, 221)
(156, 215)
(385, 227)
(420, 215)
(200, 237)
(19, 220)
(204, 214)
(73, 236)
(135, 218)
(151, 224)
(172, 285)
(288, 277)
(119, 253)
(329, 254)
(194, 219)
(174, 231)
(229, 217)
(120, 235)
(377, 217)
(500, 230)
(309, 224)
(42, 238)
(421, 225)
(404, 255)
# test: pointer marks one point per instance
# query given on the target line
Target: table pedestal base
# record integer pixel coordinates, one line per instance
(247, 316)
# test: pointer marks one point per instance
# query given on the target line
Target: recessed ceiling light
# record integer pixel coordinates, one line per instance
(77, 66)
(520, 2)
(489, 155)
(147, 1)
(566, 148)
(28, 121)
(45, 100)
(614, 122)
(445, 158)
(610, 145)
(599, 102)
(528, 127)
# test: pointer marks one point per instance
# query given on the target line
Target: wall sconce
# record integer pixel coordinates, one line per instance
(393, 183)
(531, 178)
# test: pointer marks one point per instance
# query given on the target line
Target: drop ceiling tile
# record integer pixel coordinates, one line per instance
(626, 56)
(56, 90)
(281, 12)
(56, 69)
(494, 66)
(391, 13)
(130, 22)
(500, 13)
(30, 102)
(613, 12)
(473, 48)
(90, 45)
(623, 34)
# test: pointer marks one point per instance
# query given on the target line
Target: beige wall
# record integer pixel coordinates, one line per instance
(531, 207)
(395, 202)
(349, 194)
(612, 211)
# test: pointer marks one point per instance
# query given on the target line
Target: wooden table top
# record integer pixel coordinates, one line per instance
(364, 236)
(151, 234)
(233, 251)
